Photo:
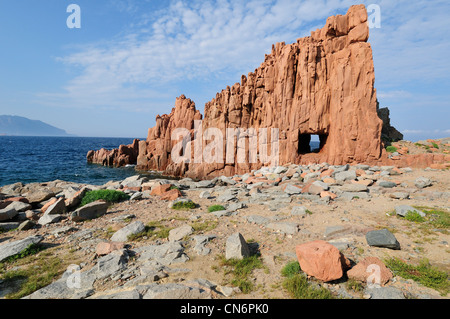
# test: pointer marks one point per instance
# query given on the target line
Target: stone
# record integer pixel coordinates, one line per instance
(90, 211)
(57, 208)
(179, 233)
(345, 176)
(111, 264)
(129, 230)
(175, 291)
(26, 225)
(160, 190)
(384, 293)
(136, 196)
(321, 260)
(399, 195)
(7, 214)
(19, 206)
(353, 188)
(284, 227)
(9, 226)
(48, 204)
(382, 238)
(259, 220)
(402, 210)
(105, 248)
(200, 244)
(75, 200)
(299, 211)
(171, 195)
(164, 254)
(40, 196)
(386, 184)
(205, 194)
(15, 247)
(292, 189)
(372, 269)
(422, 182)
(49, 219)
(236, 247)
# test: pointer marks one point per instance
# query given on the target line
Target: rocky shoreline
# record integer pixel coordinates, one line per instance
(285, 213)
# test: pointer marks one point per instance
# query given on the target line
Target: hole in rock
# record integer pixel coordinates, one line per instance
(311, 143)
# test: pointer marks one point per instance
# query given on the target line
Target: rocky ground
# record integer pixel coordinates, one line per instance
(180, 253)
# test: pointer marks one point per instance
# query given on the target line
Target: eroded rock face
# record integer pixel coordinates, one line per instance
(321, 85)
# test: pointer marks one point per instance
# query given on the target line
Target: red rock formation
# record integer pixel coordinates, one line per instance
(125, 155)
(321, 85)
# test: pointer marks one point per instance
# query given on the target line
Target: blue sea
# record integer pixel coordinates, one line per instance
(44, 159)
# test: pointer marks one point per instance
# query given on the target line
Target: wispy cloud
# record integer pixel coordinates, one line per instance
(187, 40)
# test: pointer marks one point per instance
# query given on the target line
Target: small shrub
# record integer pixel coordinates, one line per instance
(110, 196)
(184, 205)
(391, 149)
(215, 208)
(435, 145)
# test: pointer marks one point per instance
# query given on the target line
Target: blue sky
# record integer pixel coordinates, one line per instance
(131, 58)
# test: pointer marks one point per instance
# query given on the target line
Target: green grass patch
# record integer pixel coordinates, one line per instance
(354, 285)
(32, 249)
(423, 273)
(153, 230)
(110, 196)
(33, 272)
(204, 226)
(240, 270)
(291, 269)
(414, 217)
(435, 145)
(215, 208)
(298, 286)
(391, 149)
(184, 205)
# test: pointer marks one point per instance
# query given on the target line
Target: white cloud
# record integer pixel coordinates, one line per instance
(187, 40)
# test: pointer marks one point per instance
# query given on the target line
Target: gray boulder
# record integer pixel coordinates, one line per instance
(15, 247)
(345, 176)
(180, 232)
(19, 206)
(236, 247)
(284, 227)
(7, 213)
(422, 182)
(49, 219)
(90, 211)
(382, 238)
(132, 229)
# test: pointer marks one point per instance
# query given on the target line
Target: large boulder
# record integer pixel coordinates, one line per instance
(129, 230)
(321, 260)
(370, 270)
(90, 211)
(236, 247)
(16, 247)
(382, 238)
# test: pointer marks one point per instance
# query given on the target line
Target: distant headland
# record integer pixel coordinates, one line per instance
(22, 126)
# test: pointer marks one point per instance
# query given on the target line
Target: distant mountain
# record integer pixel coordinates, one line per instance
(21, 126)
